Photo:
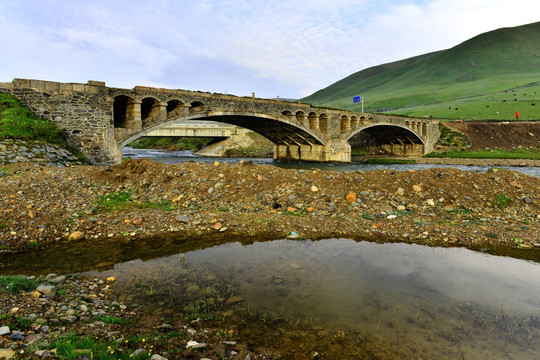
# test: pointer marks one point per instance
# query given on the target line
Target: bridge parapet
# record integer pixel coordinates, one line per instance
(99, 120)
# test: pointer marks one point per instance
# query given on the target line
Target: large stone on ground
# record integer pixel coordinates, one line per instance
(47, 290)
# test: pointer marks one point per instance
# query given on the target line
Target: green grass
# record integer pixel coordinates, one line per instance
(15, 322)
(73, 346)
(111, 320)
(481, 78)
(16, 284)
(18, 122)
(502, 201)
(113, 201)
(518, 153)
(453, 139)
(123, 200)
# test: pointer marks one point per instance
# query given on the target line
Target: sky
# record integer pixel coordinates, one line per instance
(288, 48)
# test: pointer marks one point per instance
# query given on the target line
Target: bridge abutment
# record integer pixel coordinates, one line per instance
(336, 150)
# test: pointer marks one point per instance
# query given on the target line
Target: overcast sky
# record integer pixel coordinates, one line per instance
(288, 48)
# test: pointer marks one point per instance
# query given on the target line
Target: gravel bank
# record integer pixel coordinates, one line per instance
(45, 205)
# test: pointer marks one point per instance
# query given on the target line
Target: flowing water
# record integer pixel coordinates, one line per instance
(408, 301)
(176, 157)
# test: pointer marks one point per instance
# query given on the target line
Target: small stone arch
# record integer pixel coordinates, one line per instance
(288, 115)
(363, 120)
(149, 110)
(121, 111)
(323, 123)
(345, 123)
(196, 107)
(174, 108)
(301, 118)
(313, 120)
(355, 124)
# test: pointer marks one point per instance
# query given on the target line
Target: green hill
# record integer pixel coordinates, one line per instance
(490, 76)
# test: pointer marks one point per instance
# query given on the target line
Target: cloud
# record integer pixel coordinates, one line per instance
(289, 48)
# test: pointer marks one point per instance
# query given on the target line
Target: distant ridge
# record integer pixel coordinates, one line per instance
(478, 70)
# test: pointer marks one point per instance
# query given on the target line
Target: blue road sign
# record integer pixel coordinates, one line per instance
(357, 99)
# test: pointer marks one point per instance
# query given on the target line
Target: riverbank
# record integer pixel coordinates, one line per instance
(473, 162)
(141, 200)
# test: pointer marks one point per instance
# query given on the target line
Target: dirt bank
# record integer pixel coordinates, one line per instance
(499, 134)
(140, 198)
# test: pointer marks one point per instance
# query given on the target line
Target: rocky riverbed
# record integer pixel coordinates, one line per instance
(139, 199)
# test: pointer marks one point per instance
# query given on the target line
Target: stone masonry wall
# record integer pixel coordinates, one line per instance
(83, 111)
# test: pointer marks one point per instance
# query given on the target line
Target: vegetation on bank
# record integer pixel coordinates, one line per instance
(518, 153)
(473, 80)
(18, 122)
(125, 200)
(16, 284)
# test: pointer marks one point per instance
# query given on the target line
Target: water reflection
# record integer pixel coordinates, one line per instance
(456, 298)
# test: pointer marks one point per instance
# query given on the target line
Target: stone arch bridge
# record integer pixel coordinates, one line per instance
(100, 120)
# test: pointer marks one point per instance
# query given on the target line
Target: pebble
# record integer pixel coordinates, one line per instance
(195, 345)
(4, 330)
(47, 290)
(58, 280)
(16, 336)
(157, 357)
(182, 218)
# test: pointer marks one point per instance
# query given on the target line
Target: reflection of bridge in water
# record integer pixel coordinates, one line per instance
(100, 120)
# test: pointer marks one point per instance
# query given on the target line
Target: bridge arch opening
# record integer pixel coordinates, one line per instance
(313, 120)
(388, 139)
(196, 107)
(345, 123)
(149, 110)
(121, 111)
(354, 122)
(174, 108)
(301, 118)
(323, 123)
(288, 115)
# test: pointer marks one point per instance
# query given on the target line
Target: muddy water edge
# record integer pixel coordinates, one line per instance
(303, 299)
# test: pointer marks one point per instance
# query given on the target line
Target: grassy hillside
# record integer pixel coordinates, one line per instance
(490, 76)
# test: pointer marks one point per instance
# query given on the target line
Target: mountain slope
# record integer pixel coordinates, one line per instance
(476, 70)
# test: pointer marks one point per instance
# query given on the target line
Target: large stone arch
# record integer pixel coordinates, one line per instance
(275, 129)
(395, 139)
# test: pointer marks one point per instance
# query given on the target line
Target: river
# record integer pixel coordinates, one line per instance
(177, 157)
